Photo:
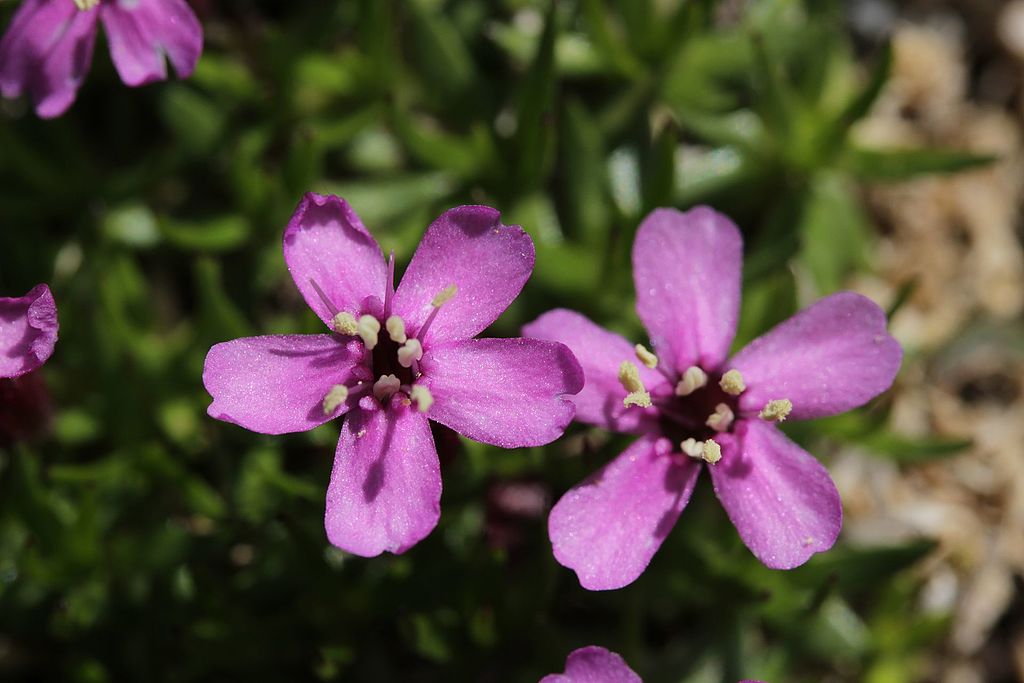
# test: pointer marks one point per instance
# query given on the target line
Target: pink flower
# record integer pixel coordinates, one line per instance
(690, 402)
(48, 47)
(594, 664)
(28, 331)
(394, 359)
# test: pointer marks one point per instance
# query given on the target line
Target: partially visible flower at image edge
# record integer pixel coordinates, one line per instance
(48, 47)
(593, 664)
(394, 358)
(28, 331)
(690, 404)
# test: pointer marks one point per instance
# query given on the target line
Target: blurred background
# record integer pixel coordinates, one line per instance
(869, 145)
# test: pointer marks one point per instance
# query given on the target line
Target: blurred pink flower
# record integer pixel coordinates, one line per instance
(47, 49)
(689, 403)
(28, 331)
(394, 359)
(594, 664)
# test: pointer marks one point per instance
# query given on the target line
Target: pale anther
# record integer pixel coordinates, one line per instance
(368, 329)
(712, 452)
(732, 383)
(693, 379)
(776, 410)
(645, 356)
(86, 4)
(422, 396)
(345, 323)
(721, 419)
(629, 377)
(385, 387)
(396, 329)
(411, 351)
(334, 398)
(693, 448)
(444, 296)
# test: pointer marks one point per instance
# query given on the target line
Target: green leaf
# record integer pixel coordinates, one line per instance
(834, 132)
(440, 53)
(903, 449)
(212, 234)
(901, 164)
(833, 232)
(535, 104)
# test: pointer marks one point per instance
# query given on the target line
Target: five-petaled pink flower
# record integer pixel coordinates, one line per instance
(394, 359)
(28, 331)
(593, 664)
(689, 403)
(48, 47)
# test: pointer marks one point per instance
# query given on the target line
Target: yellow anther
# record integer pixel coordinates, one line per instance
(385, 387)
(693, 448)
(345, 323)
(368, 329)
(86, 4)
(629, 377)
(396, 329)
(334, 398)
(637, 398)
(721, 419)
(732, 383)
(693, 379)
(712, 452)
(411, 351)
(776, 410)
(444, 296)
(645, 356)
(422, 396)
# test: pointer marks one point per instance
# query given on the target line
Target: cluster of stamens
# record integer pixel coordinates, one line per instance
(688, 389)
(407, 351)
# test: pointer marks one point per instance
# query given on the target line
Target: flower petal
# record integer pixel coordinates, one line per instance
(507, 392)
(487, 262)
(686, 269)
(385, 491)
(600, 353)
(828, 358)
(28, 331)
(276, 384)
(594, 664)
(141, 32)
(781, 500)
(608, 527)
(326, 242)
(46, 51)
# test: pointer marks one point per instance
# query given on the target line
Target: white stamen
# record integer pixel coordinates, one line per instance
(444, 296)
(645, 356)
(693, 379)
(368, 329)
(776, 410)
(721, 419)
(629, 377)
(385, 387)
(345, 323)
(410, 352)
(422, 396)
(712, 452)
(396, 329)
(693, 448)
(334, 398)
(732, 383)
(86, 4)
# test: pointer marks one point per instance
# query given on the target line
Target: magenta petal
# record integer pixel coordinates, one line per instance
(277, 384)
(594, 664)
(600, 353)
(686, 269)
(141, 32)
(385, 491)
(826, 359)
(326, 242)
(28, 331)
(507, 392)
(781, 500)
(46, 51)
(470, 248)
(608, 527)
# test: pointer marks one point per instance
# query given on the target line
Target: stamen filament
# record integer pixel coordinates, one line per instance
(389, 291)
(442, 297)
(331, 308)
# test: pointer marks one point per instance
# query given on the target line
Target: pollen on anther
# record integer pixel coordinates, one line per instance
(444, 296)
(732, 383)
(776, 410)
(629, 377)
(693, 379)
(422, 396)
(345, 323)
(645, 356)
(396, 329)
(368, 330)
(334, 398)
(385, 387)
(721, 419)
(411, 351)
(712, 452)
(693, 448)
(86, 4)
